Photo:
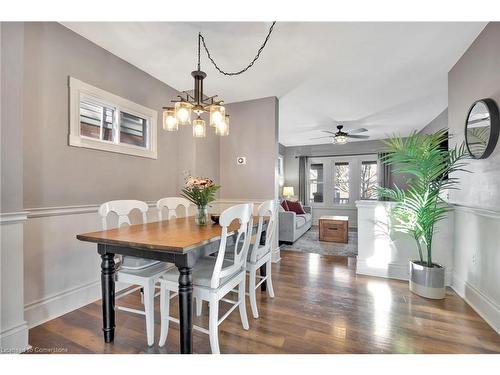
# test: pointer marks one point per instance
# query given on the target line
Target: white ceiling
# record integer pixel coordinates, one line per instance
(386, 77)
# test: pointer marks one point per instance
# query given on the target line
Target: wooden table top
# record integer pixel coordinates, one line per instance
(180, 234)
(335, 218)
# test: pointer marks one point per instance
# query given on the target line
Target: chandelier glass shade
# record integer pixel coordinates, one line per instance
(183, 112)
(170, 122)
(217, 114)
(199, 128)
(222, 128)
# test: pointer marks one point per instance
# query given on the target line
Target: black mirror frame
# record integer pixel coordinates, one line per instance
(494, 125)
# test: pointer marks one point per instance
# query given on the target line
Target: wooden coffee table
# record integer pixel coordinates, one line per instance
(334, 228)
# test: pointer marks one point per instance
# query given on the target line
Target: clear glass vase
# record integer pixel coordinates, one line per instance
(201, 216)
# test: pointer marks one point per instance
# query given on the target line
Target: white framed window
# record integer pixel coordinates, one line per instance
(103, 121)
(338, 182)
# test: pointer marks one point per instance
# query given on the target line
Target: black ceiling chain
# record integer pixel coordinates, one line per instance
(202, 39)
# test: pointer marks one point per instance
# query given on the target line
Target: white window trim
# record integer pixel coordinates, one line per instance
(329, 176)
(79, 88)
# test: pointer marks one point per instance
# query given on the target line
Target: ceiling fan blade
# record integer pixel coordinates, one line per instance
(328, 136)
(327, 131)
(358, 136)
(360, 130)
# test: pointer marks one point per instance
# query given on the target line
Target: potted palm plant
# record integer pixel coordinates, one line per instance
(420, 206)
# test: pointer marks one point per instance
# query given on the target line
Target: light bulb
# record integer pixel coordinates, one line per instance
(170, 122)
(199, 128)
(217, 113)
(183, 112)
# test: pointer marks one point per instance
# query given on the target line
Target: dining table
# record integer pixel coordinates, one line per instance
(179, 241)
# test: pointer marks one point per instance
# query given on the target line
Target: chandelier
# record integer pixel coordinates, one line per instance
(198, 104)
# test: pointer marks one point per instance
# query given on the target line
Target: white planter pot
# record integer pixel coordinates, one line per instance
(427, 282)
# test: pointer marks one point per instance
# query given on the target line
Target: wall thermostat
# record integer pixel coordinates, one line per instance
(241, 160)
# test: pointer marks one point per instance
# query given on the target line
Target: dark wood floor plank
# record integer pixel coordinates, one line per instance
(321, 306)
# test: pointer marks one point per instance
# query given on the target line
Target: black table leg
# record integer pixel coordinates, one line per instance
(262, 269)
(108, 296)
(186, 309)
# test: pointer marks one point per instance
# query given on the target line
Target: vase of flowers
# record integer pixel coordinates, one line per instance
(200, 191)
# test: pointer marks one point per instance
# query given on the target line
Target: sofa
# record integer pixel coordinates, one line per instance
(292, 225)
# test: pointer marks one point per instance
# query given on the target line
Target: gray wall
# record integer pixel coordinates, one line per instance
(53, 174)
(476, 232)
(11, 118)
(440, 122)
(56, 174)
(254, 135)
(475, 76)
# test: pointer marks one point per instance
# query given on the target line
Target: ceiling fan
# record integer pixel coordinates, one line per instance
(341, 137)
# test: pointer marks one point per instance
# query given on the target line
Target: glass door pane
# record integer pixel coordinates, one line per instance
(96, 119)
(316, 183)
(369, 178)
(341, 183)
(132, 129)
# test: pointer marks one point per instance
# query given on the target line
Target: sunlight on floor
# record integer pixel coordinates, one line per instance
(382, 301)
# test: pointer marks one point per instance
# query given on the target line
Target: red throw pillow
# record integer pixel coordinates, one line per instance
(284, 205)
(295, 207)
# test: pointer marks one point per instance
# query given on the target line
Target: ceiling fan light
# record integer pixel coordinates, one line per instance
(183, 112)
(222, 128)
(341, 139)
(199, 128)
(170, 122)
(217, 114)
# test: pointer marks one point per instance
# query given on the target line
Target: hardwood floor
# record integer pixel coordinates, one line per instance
(321, 306)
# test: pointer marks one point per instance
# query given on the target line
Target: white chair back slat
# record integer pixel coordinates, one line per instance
(266, 209)
(242, 213)
(122, 208)
(171, 204)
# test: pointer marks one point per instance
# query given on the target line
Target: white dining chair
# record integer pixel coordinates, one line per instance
(260, 254)
(171, 204)
(132, 270)
(215, 277)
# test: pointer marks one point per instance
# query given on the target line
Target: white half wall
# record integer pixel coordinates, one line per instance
(14, 330)
(385, 253)
(476, 261)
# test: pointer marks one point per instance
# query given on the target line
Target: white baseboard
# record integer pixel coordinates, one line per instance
(398, 271)
(54, 306)
(41, 311)
(14, 340)
(482, 304)
(392, 271)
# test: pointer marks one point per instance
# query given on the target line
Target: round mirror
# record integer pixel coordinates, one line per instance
(482, 128)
